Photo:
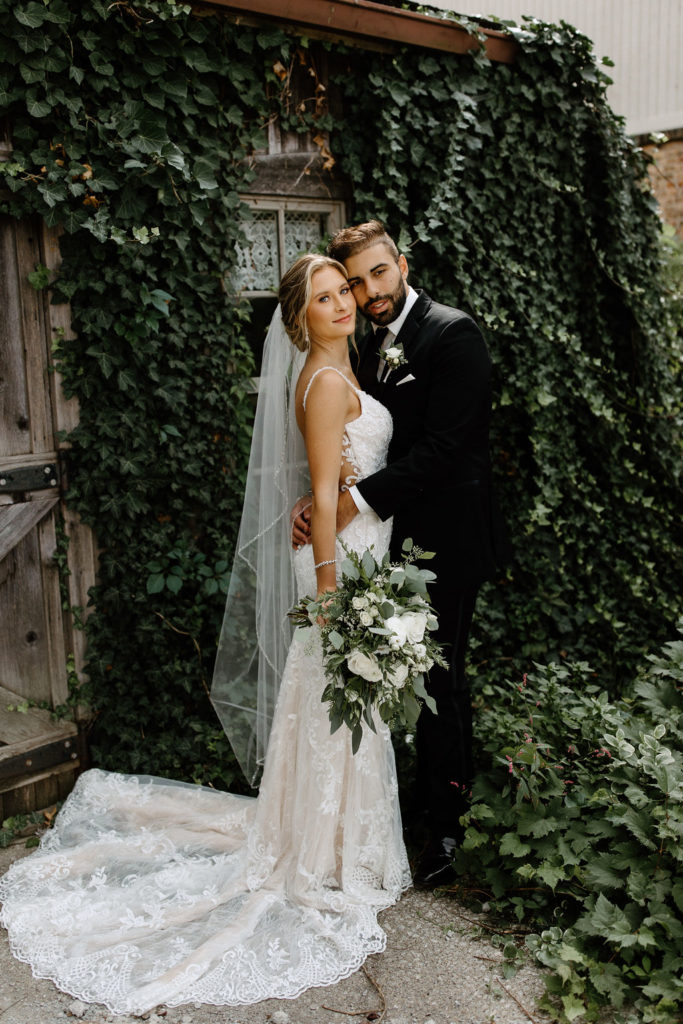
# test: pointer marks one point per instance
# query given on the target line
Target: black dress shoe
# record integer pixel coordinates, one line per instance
(435, 866)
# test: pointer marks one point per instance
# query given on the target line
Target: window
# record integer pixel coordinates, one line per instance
(279, 231)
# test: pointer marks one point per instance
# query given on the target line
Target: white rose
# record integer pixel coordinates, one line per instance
(398, 675)
(359, 602)
(396, 625)
(365, 666)
(366, 618)
(390, 354)
(415, 624)
(419, 650)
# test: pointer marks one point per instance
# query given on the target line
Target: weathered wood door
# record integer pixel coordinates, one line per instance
(39, 757)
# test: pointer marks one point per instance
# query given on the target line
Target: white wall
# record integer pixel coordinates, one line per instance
(643, 37)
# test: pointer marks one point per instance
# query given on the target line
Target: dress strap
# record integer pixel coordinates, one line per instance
(320, 370)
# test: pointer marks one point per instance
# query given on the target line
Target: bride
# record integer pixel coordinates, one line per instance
(149, 891)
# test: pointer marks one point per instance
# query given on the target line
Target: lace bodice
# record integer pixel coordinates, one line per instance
(366, 439)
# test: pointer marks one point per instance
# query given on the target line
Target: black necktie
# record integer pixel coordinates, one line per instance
(380, 335)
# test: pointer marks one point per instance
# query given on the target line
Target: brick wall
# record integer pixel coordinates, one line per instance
(666, 175)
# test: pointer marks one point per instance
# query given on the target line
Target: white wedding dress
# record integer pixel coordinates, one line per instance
(152, 892)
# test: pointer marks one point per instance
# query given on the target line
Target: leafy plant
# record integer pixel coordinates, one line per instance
(575, 827)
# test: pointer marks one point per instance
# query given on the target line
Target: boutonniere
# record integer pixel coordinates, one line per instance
(394, 357)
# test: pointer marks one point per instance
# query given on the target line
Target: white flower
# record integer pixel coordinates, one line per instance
(366, 618)
(359, 602)
(398, 675)
(400, 634)
(365, 666)
(419, 650)
(394, 356)
(415, 624)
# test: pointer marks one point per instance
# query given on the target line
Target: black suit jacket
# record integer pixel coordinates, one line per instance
(437, 483)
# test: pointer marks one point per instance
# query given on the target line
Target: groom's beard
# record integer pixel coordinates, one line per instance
(396, 300)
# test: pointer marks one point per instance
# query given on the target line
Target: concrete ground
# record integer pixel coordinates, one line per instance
(439, 967)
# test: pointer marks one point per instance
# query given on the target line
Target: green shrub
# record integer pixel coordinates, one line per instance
(576, 825)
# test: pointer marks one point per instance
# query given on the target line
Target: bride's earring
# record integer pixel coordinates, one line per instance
(307, 339)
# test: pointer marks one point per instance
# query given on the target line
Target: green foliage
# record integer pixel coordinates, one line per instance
(131, 128)
(576, 826)
(19, 825)
(529, 207)
(39, 278)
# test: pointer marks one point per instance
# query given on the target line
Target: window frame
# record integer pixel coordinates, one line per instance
(333, 208)
(336, 213)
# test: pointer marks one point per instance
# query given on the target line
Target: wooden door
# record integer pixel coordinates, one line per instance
(39, 756)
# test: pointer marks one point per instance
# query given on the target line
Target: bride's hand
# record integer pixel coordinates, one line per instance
(322, 619)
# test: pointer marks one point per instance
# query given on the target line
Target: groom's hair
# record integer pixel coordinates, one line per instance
(349, 241)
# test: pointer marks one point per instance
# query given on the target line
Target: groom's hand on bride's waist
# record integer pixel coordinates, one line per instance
(300, 520)
(300, 517)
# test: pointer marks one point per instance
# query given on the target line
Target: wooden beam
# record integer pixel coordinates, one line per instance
(19, 519)
(364, 20)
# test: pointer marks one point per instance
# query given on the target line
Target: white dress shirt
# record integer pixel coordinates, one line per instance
(392, 333)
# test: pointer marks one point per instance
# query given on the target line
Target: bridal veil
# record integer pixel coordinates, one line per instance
(256, 632)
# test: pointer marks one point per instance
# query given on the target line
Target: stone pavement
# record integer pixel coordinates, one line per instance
(437, 969)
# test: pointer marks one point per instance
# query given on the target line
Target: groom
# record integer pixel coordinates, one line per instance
(437, 485)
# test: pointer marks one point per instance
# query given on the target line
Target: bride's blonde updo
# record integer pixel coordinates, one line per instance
(295, 294)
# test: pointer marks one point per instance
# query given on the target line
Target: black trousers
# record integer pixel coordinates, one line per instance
(444, 741)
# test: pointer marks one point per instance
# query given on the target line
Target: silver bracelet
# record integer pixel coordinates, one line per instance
(330, 561)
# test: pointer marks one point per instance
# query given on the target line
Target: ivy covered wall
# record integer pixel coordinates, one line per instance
(528, 206)
(518, 198)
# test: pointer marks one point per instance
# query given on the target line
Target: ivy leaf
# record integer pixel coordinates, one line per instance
(174, 583)
(174, 156)
(31, 75)
(100, 64)
(160, 300)
(33, 15)
(126, 380)
(37, 108)
(39, 278)
(150, 133)
(205, 175)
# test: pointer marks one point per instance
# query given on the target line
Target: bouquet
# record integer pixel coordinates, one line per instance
(375, 640)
